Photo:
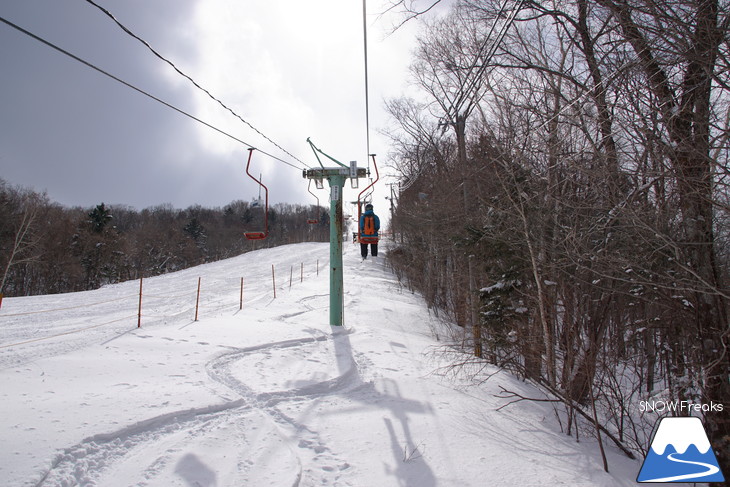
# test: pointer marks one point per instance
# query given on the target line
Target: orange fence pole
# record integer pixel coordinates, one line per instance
(241, 307)
(139, 310)
(197, 301)
(273, 279)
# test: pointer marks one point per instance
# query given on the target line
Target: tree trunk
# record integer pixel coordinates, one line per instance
(686, 113)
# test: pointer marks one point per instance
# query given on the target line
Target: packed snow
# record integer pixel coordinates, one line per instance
(270, 395)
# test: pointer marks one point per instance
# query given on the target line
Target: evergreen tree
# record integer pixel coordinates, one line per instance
(195, 230)
(99, 217)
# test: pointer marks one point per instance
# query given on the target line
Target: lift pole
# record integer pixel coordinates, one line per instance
(337, 297)
(336, 177)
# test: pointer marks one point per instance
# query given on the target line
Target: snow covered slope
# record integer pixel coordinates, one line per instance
(267, 396)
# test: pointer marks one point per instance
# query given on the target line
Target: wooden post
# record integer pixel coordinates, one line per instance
(197, 301)
(1, 300)
(273, 279)
(241, 307)
(139, 310)
(291, 275)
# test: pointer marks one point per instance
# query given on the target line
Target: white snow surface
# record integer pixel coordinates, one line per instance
(680, 433)
(270, 395)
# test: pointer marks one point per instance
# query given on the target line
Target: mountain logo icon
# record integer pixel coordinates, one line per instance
(680, 452)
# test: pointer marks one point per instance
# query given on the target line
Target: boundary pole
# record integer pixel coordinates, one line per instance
(197, 301)
(273, 279)
(139, 308)
(241, 307)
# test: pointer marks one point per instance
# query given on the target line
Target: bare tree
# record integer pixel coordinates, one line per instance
(597, 177)
(681, 79)
(20, 210)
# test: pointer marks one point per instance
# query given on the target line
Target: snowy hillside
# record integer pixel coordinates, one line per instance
(267, 396)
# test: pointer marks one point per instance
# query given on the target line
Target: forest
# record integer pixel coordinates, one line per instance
(46, 248)
(564, 199)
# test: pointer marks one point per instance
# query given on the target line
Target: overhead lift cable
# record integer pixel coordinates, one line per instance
(482, 61)
(139, 90)
(367, 101)
(195, 83)
(486, 51)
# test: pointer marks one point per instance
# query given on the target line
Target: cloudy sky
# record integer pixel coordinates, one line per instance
(292, 68)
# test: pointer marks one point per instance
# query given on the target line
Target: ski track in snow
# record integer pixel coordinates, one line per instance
(254, 457)
(317, 463)
(51, 325)
(92, 462)
(96, 460)
(267, 396)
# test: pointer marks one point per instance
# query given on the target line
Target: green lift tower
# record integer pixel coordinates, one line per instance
(336, 177)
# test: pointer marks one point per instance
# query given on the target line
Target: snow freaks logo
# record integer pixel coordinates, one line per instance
(680, 452)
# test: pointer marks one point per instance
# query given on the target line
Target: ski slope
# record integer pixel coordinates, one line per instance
(270, 395)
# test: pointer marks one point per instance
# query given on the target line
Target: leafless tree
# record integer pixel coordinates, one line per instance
(20, 210)
(597, 178)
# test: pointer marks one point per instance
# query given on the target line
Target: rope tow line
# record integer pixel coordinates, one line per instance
(139, 90)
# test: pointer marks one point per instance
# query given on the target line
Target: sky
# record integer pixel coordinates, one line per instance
(292, 69)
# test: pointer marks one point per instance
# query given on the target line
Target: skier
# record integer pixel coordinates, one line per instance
(369, 226)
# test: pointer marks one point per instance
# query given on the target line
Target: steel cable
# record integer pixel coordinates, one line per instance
(139, 90)
(195, 83)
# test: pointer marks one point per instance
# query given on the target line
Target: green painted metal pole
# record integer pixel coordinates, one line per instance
(336, 177)
(336, 275)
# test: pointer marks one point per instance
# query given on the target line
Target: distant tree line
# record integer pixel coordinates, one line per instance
(47, 248)
(565, 199)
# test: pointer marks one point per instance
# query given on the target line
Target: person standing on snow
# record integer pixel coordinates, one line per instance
(369, 226)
